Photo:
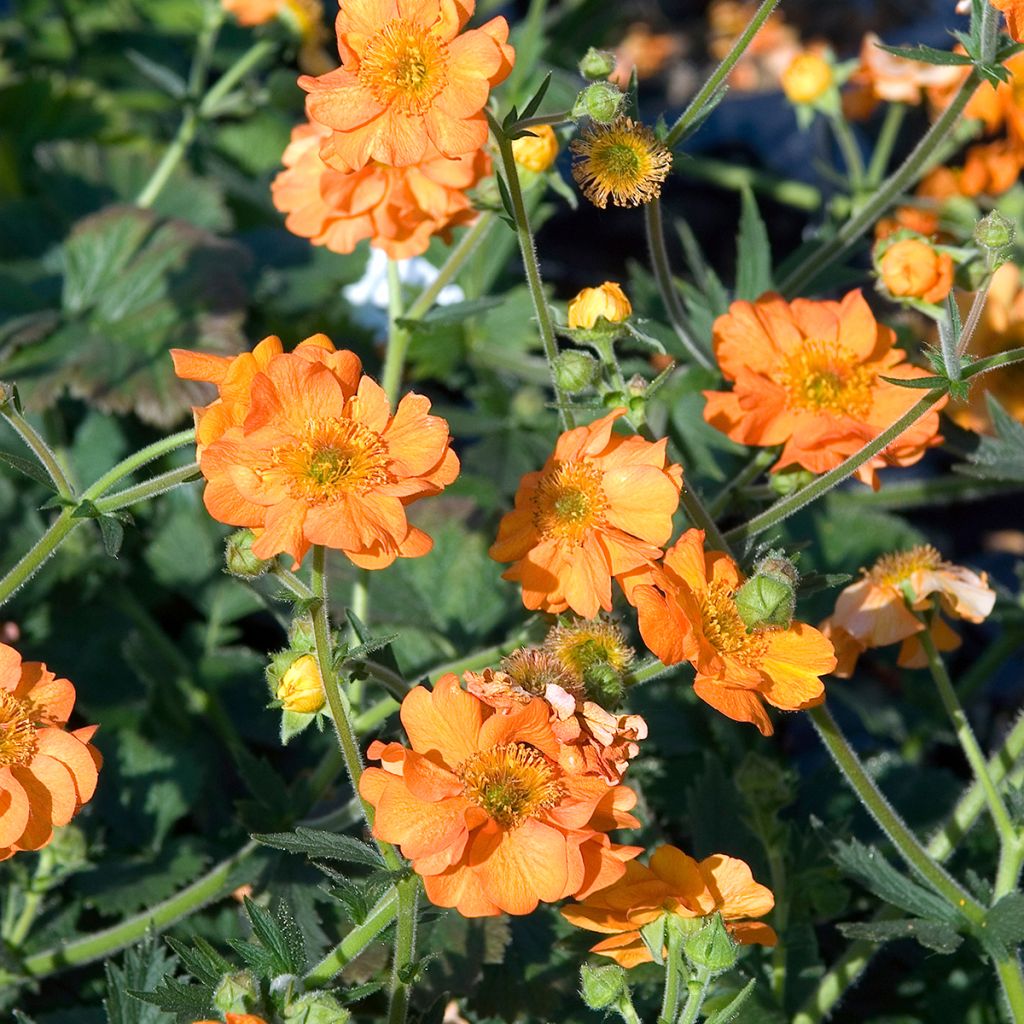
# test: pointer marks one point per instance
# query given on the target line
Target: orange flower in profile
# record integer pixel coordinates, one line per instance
(908, 218)
(1001, 107)
(484, 807)
(1014, 12)
(410, 77)
(885, 605)
(47, 772)
(236, 1018)
(318, 458)
(990, 169)
(910, 268)
(607, 300)
(306, 17)
(690, 614)
(399, 209)
(674, 884)
(602, 506)
(1001, 328)
(808, 375)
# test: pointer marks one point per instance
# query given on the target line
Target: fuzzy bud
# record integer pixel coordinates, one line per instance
(608, 302)
(575, 371)
(788, 481)
(600, 102)
(994, 231)
(536, 151)
(602, 985)
(768, 598)
(596, 64)
(239, 559)
(603, 685)
(316, 1008)
(712, 947)
(235, 992)
(300, 688)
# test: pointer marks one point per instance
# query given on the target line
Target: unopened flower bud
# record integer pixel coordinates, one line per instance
(300, 634)
(592, 304)
(239, 559)
(994, 231)
(602, 985)
(807, 79)
(300, 688)
(912, 268)
(604, 686)
(600, 102)
(316, 1008)
(597, 64)
(536, 151)
(712, 947)
(235, 992)
(769, 596)
(575, 371)
(788, 481)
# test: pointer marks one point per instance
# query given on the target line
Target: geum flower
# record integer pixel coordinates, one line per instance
(485, 809)
(674, 884)
(602, 506)
(399, 209)
(410, 77)
(809, 376)
(318, 458)
(1014, 11)
(690, 614)
(47, 772)
(886, 607)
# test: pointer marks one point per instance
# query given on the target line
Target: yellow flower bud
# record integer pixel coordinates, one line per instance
(536, 152)
(300, 689)
(807, 78)
(608, 301)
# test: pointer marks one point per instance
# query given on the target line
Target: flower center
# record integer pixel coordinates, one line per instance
(17, 733)
(726, 631)
(824, 377)
(569, 501)
(511, 782)
(624, 162)
(404, 66)
(893, 570)
(335, 457)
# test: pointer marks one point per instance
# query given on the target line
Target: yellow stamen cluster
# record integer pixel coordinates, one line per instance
(17, 733)
(822, 376)
(334, 457)
(896, 569)
(726, 631)
(569, 501)
(580, 645)
(512, 783)
(624, 162)
(404, 67)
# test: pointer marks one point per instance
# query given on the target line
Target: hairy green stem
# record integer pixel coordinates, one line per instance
(673, 976)
(1008, 969)
(398, 338)
(156, 485)
(139, 459)
(697, 991)
(405, 949)
(528, 250)
(701, 518)
(42, 451)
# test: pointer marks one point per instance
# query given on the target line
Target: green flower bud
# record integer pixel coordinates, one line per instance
(239, 559)
(300, 635)
(67, 851)
(316, 1008)
(712, 947)
(786, 481)
(600, 102)
(575, 371)
(236, 992)
(602, 985)
(994, 231)
(766, 601)
(603, 685)
(597, 64)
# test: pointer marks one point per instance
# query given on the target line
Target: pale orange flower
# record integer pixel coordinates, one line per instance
(646, 51)
(410, 77)
(884, 606)
(399, 209)
(1014, 12)
(601, 507)
(674, 884)
(690, 614)
(770, 51)
(484, 807)
(910, 268)
(47, 772)
(808, 375)
(318, 458)
(1001, 328)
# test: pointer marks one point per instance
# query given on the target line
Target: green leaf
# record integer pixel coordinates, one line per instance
(1000, 457)
(454, 313)
(927, 54)
(1005, 921)
(160, 75)
(316, 843)
(918, 383)
(933, 935)
(753, 252)
(112, 533)
(531, 108)
(872, 870)
(730, 1012)
(185, 1001)
(653, 935)
(201, 960)
(279, 936)
(144, 966)
(28, 468)
(293, 723)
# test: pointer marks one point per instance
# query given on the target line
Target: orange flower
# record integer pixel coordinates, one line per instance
(46, 771)
(1014, 11)
(646, 51)
(910, 268)
(1001, 107)
(306, 16)
(237, 1018)
(674, 884)
(486, 810)
(410, 77)
(602, 506)
(910, 218)
(314, 456)
(874, 611)
(690, 615)
(990, 169)
(1001, 328)
(398, 208)
(809, 375)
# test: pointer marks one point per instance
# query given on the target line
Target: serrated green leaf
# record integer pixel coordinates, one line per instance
(1000, 457)
(753, 252)
(179, 998)
(30, 469)
(201, 960)
(918, 383)
(927, 54)
(1005, 921)
(316, 843)
(279, 936)
(933, 935)
(143, 966)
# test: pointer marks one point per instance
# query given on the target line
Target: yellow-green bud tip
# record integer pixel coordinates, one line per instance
(597, 64)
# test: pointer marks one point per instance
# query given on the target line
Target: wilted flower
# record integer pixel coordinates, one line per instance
(624, 162)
